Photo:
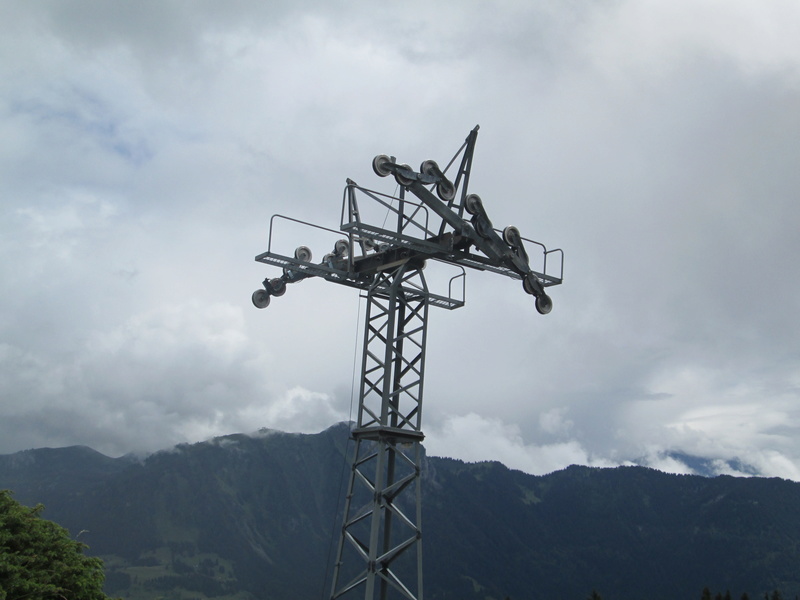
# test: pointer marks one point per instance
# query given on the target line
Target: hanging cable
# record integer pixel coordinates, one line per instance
(389, 210)
(345, 454)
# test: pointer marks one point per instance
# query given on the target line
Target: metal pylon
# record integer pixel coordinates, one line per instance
(379, 554)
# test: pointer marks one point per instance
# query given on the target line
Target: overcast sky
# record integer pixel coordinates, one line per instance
(145, 145)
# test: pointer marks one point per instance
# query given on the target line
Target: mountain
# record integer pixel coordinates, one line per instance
(254, 517)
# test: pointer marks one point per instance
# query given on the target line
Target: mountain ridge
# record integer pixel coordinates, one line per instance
(248, 517)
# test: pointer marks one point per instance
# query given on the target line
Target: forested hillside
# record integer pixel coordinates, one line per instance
(254, 516)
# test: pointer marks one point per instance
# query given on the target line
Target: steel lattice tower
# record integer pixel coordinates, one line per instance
(387, 435)
(379, 554)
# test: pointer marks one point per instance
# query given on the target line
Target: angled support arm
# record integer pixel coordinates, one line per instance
(508, 250)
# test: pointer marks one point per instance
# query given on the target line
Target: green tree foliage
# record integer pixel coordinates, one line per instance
(39, 561)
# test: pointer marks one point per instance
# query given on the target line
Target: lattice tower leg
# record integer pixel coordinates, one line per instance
(380, 552)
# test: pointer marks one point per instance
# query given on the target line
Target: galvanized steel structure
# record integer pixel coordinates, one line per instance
(379, 554)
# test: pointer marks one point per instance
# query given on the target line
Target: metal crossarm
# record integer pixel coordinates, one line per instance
(388, 242)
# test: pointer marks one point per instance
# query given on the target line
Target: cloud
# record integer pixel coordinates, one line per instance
(148, 146)
(474, 438)
(170, 375)
(756, 38)
(297, 407)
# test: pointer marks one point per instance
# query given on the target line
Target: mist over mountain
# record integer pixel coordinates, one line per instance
(255, 517)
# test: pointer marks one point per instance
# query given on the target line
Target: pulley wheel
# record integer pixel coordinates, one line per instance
(512, 236)
(446, 190)
(528, 285)
(341, 248)
(429, 167)
(543, 304)
(260, 299)
(402, 179)
(379, 165)
(473, 204)
(303, 253)
(278, 286)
